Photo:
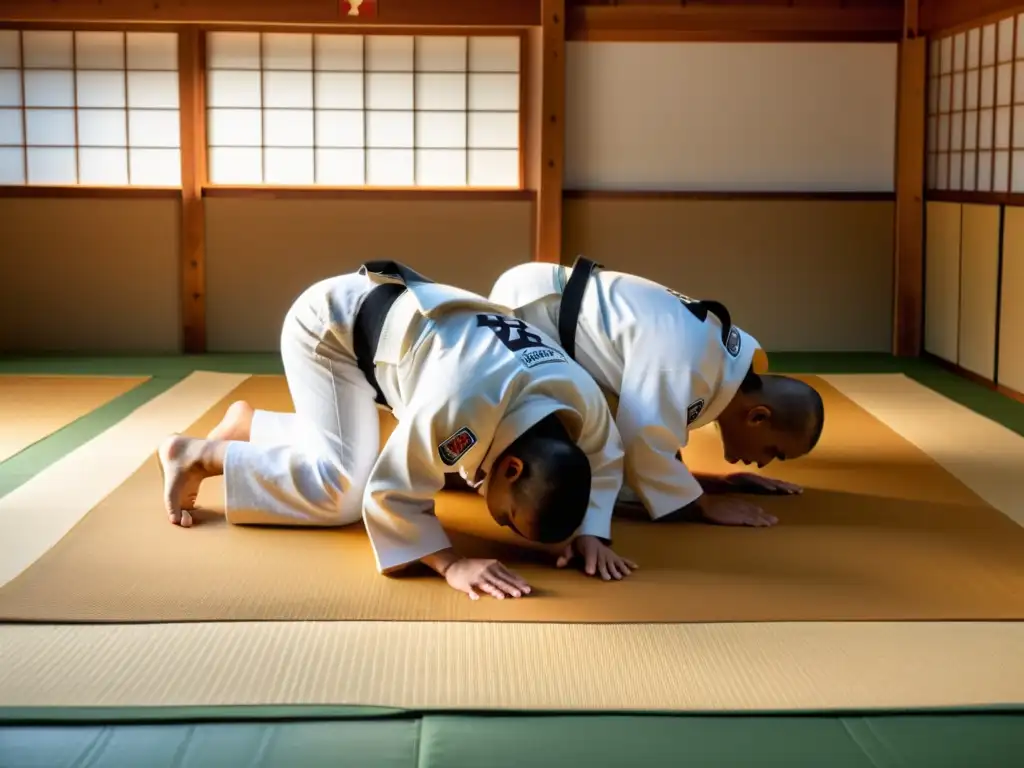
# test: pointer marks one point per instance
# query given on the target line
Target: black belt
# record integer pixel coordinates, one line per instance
(368, 327)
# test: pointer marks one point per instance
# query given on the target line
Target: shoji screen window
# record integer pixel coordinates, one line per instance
(89, 108)
(1017, 164)
(989, 115)
(348, 110)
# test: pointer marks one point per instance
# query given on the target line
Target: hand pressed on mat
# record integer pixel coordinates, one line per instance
(471, 574)
(725, 510)
(597, 557)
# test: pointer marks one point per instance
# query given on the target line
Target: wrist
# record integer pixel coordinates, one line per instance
(441, 561)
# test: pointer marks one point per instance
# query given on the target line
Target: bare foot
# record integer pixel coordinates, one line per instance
(236, 424)
(182, 471)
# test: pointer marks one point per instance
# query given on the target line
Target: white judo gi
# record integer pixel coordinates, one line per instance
(464, 379)
(670, 370)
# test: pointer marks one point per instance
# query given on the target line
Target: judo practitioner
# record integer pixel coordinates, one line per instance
(674, 364)
(474, 391)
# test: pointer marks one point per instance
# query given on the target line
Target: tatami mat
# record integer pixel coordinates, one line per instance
(34, 407)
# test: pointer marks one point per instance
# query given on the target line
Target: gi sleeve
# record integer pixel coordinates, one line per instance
(398, 504)
(652, 418)
(600, 440)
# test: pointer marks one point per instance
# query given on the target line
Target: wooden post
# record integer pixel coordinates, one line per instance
(908, 315)
(551, 154)
(191, 79)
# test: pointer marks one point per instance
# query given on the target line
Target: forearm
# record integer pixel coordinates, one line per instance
(691, 513)
(711, 483)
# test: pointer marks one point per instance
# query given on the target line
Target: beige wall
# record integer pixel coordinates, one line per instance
(799, 275)
(262, 253)
(89, 275)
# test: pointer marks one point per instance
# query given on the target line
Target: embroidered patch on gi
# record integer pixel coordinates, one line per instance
(531, 358)
(456, 446)
(694, 411)
(733, 343)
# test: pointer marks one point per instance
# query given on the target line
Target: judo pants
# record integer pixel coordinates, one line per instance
(310, 468)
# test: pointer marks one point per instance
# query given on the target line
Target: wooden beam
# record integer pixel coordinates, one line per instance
(738, 22)
(550, 113)
(514, 13)
(908, 294)
(192, 96)
(942, 16)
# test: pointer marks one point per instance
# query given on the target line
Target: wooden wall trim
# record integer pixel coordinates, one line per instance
(642, 194)
(973, 377)
(414, 194)
(192, 97)
(976, 198)
(908, 309)
(461, 13)
(95, 193)
(551, 152)
(942, 17)
(734, 23)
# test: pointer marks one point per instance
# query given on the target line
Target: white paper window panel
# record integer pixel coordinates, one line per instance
(99, 50)
(287, 51)
(10, 88)
(1018, 172)
(233, 89)
(339, 53)
(390, 167)
(945, 93)
(946, 55)
(48, 50)
(441, 91)
(933, 133)
(288, 89)
(233, 50)
(493, 168)
(956, 138)
(389, 53)
(1018, 127)
(1003, 119)
(339, 129)
(50, 127)
(971, 130)
(10, 48)
(152, 50)
(234, 128)
(1006, 36)
(494, 54)
(153, 90)
(341, 167)
(11, 128)
(236, 165)
(47, 165)
(1018, 81)
(933, 95)
(988, 87)
(103, 128)
(389, 90)
(12, 165)
(338, 90)
(988, 45)
(984, 171)
(767, 117)
(494, 130)
(493, 91)
(389, 129)
(934, 58)
(960, 52)
(933, 168)
(955, 170)
(970, 171)
(441, 130)
(1020, 36)
(944, 126)
(986, 126)
(289, 166)
(441, 167)
(974, 47)
(441, 54)
(1004, 85)
(942, 180)
(101, 89)
(48, 88)
(153, 128)
(103, 166)
(288, 128)
(155, 167)
(1001, 172)
(959, 84)
(973, 84)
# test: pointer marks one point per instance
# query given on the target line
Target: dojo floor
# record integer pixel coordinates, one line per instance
(936, 681)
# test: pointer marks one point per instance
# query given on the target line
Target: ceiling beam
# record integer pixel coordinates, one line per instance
(939, 16)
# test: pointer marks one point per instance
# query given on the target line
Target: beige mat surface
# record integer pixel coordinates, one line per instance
(34, 407)
(882, 533)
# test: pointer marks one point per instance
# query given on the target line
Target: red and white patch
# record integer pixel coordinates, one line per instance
(456, 446)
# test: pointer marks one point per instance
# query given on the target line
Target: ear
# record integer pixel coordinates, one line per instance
(513, 468)
(758, 415)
